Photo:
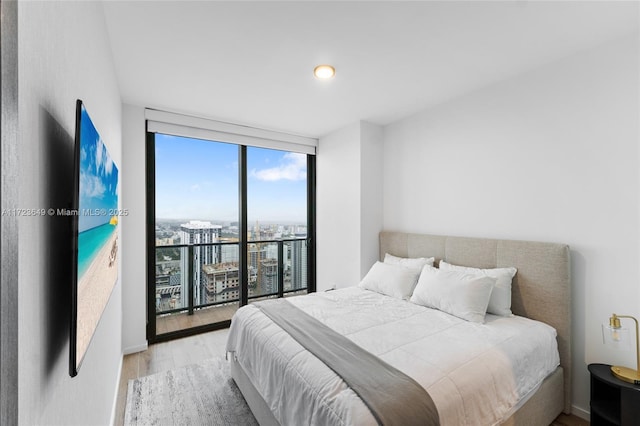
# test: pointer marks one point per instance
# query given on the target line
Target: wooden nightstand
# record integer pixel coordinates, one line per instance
(613, 402)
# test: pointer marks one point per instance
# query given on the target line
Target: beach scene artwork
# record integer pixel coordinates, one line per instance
(97, 233)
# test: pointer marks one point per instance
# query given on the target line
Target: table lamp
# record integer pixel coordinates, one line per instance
(614, 335)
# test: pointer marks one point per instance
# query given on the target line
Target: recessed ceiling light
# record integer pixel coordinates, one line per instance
(324, 71)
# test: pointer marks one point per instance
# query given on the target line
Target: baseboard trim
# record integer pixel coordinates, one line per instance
(133, 349)
(115, 396)
(581, 412)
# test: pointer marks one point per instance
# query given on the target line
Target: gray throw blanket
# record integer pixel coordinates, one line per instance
(392, 397)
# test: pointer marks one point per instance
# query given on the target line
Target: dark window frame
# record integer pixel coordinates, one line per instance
(152, 336)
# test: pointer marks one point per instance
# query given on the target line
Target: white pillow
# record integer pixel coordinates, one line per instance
(500, 302)
(392, 280)
(408, 262)
(455, 292)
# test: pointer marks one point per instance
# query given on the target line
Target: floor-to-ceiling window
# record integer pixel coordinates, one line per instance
(277, 222)
(228, 224)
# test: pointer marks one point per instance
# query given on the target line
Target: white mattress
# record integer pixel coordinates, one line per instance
(476, 374)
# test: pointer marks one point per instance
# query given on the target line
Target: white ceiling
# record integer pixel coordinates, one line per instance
(251, 62)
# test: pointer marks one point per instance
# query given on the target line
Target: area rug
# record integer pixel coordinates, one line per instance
(198, 394)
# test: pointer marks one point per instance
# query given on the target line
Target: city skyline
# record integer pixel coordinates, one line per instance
(251, 223)
(198, 180)
(211, 271)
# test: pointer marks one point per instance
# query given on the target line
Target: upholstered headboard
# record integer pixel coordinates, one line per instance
(541, 289)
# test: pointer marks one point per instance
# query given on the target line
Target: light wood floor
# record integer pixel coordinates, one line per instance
(166, 356)
(181, 321)
(190, 350)
(208, 315)
(564, 420)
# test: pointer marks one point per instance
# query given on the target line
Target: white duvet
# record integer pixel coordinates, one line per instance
(476, 374)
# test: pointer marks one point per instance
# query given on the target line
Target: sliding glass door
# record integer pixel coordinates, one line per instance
(277, 222)
(229, 224)
(196, 233)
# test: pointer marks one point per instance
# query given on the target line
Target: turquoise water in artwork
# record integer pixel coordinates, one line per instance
(89, 244)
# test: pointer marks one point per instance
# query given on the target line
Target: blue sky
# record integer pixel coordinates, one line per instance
(197, 179)
(98, 177)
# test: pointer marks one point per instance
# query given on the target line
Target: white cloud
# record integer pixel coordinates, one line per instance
(293, 167)
(104, 163)
(108, 167)
(99, 154)
(91, 186)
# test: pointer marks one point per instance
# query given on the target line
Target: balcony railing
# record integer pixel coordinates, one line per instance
(196, 276)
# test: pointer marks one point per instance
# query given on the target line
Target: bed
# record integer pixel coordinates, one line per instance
(540, 292)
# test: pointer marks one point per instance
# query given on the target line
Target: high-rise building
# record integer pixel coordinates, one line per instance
(197, 232)
(268, 276)
(229, 253)
(221, 282)
(270, 251)
(298, 264)
(167, 283)
(263, 267)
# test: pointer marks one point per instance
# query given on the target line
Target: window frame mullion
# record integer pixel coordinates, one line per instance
(243, 226)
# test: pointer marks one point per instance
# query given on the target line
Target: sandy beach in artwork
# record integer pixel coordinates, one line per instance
(94, 289)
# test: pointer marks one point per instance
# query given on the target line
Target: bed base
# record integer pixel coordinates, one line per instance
(258, 406)
(540, 409)
(543, 406)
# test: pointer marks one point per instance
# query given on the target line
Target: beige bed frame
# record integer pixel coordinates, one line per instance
(541, 291)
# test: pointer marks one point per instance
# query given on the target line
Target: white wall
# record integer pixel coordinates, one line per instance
(550, 155)
(338, 208)
(349, 204)
(63, 55)
(134, 278)
(371, 182)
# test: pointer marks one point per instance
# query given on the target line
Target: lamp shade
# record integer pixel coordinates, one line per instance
(616, 338)
(614, 335)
